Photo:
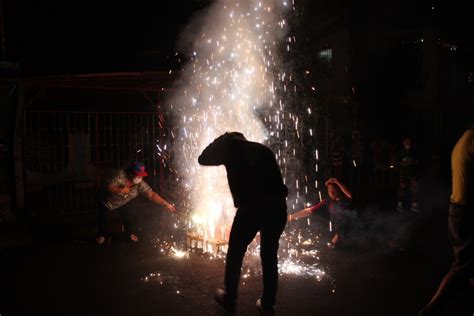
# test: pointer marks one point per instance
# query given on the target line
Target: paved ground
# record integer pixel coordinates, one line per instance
(61, 272)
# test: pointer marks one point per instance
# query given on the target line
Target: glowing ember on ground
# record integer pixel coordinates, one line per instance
(294, 267)
(179, 253)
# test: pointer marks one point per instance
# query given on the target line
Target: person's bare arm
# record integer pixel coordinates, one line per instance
(214, 154)
(300, 214)
(155, 197)
(305, 213)
(343, 188)
(118, 190)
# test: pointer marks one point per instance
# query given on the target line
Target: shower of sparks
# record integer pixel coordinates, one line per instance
(289, 266)
(237, 80)
(167, 281)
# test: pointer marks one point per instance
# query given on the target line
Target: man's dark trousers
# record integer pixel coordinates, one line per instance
(267, 216)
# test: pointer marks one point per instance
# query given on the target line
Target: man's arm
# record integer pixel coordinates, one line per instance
(214, 154)
(118, 190)
(343, 188)
(303, 213)
(306, 212)
(154, 197)
(399, 157)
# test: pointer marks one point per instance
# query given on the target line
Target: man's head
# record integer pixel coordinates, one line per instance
(136, 172)
(235, 135)
(406, 143)
(333, 191)
(231, 135)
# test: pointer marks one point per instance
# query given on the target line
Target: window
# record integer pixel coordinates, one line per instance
(326, 56)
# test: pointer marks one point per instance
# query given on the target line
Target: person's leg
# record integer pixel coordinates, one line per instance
(269, 243)
(414, 194)
(102, 220)
(339, 220)
(244, 228)
(414, 189)
(401, 191)
(127, 214)
(461, 237)
(448, 284)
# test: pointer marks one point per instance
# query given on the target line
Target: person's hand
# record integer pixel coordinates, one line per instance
(331, 180)
(170, 207)
(125, 190)
(289, 219)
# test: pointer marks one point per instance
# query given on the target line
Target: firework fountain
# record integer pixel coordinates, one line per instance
(237, 80)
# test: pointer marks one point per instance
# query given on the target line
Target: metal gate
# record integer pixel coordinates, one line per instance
(67, 154)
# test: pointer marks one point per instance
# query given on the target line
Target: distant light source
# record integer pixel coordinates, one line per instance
(325, 53)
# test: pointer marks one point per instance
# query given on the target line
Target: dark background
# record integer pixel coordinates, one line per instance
(71, 73)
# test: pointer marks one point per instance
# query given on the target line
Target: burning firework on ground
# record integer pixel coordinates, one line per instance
(237, 81)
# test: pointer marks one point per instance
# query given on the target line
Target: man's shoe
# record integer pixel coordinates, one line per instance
(431, 311)
(263, 309)
(400, 207)
(414, 208)
(222, 299)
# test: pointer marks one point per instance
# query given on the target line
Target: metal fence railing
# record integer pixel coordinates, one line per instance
(67, 154)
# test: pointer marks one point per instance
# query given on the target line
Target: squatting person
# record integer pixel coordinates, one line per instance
(122, 187)
(338, 206)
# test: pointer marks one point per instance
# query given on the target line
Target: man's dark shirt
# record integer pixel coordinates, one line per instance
(408, 162)
(252, 170)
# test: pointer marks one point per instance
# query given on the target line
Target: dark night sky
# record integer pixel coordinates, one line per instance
(85, 36)
(53, 36)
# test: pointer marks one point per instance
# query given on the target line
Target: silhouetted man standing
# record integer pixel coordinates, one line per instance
(259, 194)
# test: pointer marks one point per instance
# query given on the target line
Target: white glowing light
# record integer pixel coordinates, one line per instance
(179, 253)
(297, 268)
